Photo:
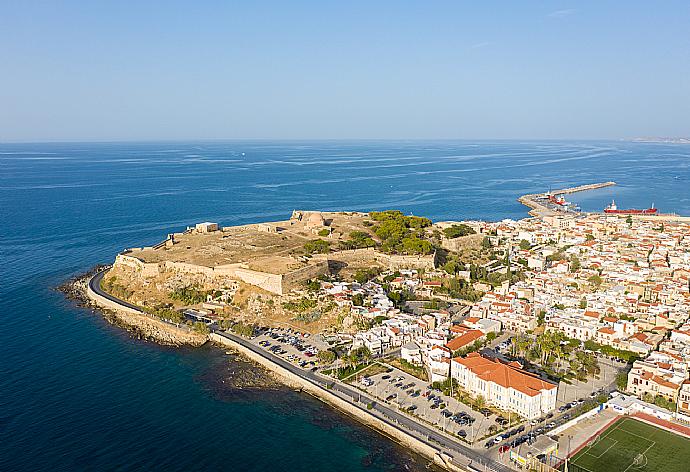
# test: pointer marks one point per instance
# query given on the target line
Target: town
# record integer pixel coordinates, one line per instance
(508, 336)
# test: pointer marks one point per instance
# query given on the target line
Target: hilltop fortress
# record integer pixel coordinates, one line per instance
(270, 256)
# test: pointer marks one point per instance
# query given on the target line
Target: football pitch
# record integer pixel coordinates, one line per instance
(630, 445)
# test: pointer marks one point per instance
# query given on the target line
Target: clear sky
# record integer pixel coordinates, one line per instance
(96, 70)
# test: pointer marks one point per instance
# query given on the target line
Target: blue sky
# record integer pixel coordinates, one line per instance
(371, 69)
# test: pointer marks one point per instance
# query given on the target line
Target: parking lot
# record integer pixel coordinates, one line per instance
(408, 393)
(298, 348)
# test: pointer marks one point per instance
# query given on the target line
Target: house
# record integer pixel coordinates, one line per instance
(412, 353)
(464, 340)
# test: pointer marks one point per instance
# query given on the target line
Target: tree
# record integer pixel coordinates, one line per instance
(589, 237)
(583, 303)
(622, 381)
(525, 245)
(326, 356)
(457, 231)
(574, 263)
(486, 243)
(479, 402)
(629, 220)
(595, 280)
(358, 299)
(317, 246)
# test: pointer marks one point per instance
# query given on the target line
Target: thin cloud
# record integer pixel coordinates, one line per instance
(483, 44)
(561, 13)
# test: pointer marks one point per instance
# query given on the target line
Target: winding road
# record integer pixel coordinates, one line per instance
(462, 455)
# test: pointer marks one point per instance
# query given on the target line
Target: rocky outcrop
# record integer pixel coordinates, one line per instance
(141, 325)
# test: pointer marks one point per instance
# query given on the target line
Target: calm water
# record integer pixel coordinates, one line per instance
(78, 394)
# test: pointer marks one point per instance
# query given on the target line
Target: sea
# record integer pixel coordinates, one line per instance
(77, 393)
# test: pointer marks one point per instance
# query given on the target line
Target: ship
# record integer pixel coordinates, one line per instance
(612, 208)
(557, 199)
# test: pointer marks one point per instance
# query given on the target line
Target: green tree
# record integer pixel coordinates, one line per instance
(622, 381)
(457, 231)
(525, 245)
(326, 356)
(317, 246)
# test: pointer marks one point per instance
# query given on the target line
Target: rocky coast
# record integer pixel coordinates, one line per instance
(142, 326)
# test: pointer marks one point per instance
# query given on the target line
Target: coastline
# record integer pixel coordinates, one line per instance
(146, 327)
(139, 324)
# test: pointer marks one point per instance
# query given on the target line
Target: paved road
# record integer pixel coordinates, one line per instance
(430, 436)
(461, 454)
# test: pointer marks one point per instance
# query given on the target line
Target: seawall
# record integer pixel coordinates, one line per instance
(146, 325)
(294, 381)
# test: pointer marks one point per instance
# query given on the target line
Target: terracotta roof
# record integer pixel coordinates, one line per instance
(464, 340)
(505, 375)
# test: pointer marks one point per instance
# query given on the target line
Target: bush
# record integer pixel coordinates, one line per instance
(189, 295)
(317, 246)
(324, 232)
(201, 328)
(457, 231)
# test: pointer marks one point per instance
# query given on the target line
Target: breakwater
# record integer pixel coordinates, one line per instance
(535, 201)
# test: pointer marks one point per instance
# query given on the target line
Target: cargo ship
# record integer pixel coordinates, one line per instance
(612, 208)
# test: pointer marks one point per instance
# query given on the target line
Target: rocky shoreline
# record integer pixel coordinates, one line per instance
(138, 325)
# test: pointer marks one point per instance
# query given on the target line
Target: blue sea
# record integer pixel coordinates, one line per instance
(79, 394)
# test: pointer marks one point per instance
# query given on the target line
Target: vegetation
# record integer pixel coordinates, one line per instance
(525, 245)
(457, 231)
(622, 381)
(112, 286)
(200, 327)
(415, 370)
(358, 240)
(326, 356)
(627, 356)
(460, 288)
(300, 305)
(243, 329)
(400, 233)
(324, 232)
(365, 275)
(317, 246)
(189, 295)
(595, 280)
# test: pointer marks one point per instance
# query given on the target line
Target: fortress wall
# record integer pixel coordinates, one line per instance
(408, 262)
(144, 269)
(314, 269)
(270, 282)
(185, 268)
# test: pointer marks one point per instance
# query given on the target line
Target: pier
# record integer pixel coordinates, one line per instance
(540, 205)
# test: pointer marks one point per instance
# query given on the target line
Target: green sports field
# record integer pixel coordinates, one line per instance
(630, 445)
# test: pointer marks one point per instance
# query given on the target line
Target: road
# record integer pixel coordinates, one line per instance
(427, 435)
(462, 455)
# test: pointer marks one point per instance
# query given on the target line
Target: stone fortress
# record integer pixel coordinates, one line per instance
(266, 255)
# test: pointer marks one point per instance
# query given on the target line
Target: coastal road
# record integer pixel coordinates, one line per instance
(462, 454)
(391, 416)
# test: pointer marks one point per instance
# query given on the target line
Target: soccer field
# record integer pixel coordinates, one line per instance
(630, 445)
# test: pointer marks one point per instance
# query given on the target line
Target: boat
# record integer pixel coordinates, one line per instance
(613, 209)
(557, 199)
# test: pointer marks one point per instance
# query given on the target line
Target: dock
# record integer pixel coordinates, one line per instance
(540, 207)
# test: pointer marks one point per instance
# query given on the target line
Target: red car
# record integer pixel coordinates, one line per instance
(503, 449)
